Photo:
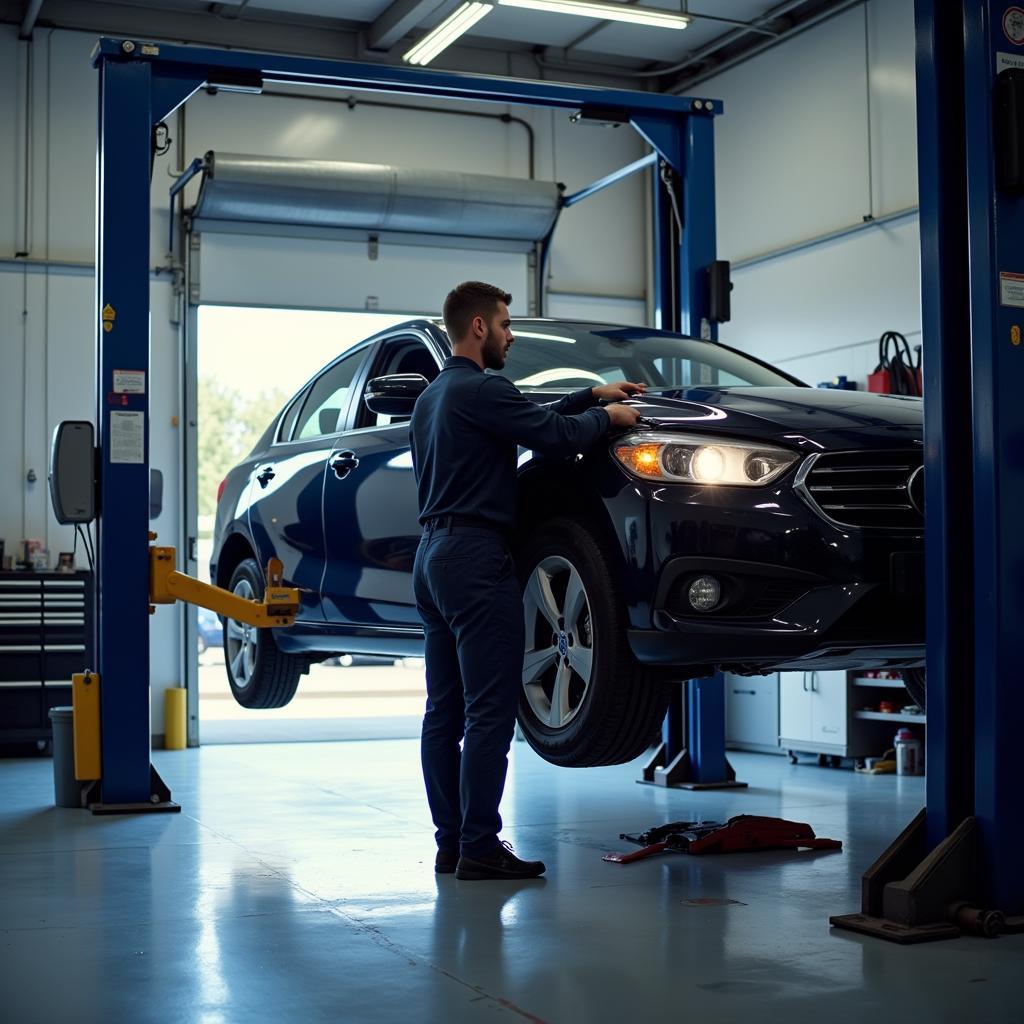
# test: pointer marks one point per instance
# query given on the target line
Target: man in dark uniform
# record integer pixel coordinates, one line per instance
(465, 431)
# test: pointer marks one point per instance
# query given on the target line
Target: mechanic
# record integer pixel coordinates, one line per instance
(465, 430)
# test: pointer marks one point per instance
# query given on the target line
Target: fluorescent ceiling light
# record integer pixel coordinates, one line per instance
(447, 32)
(607, 11)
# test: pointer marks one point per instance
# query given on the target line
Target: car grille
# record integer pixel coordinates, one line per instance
(875, 489)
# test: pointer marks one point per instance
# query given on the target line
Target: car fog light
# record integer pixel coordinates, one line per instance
(704, 593)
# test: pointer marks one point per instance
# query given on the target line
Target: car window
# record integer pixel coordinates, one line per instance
(284, 431)
(569, 356)
(328, 398)
(396, 355)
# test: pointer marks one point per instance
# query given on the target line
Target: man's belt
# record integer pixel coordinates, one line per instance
(443, 522)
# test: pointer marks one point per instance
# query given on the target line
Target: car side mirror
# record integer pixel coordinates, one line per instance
(394, 395)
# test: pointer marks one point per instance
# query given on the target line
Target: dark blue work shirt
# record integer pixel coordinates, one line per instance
(465, 431)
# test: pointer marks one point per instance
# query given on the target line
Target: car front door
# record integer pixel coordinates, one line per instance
(370, 506)
(286, 496)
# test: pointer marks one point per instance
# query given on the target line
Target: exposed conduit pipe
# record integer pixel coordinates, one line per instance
(28, 23)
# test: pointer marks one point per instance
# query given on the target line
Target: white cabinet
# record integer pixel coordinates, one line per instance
(839, 714)
(752, 713)
(813, 711)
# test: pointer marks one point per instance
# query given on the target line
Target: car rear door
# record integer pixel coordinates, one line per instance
(286, 498)
(370, 505)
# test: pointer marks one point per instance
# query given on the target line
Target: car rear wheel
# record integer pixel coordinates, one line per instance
(585, 701)
(261, 675)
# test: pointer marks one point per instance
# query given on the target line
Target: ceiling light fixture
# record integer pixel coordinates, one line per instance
(447, 32)
(606, 11)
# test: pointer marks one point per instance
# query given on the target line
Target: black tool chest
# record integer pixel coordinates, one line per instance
(45, 637)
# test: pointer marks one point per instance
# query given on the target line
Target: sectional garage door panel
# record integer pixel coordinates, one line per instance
(312, 273)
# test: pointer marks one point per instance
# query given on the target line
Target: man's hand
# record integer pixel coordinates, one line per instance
(617, 392)
(622, 415)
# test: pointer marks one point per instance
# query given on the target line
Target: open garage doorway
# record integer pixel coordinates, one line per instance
(250, 361)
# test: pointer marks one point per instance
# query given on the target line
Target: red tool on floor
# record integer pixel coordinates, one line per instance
(745, 832)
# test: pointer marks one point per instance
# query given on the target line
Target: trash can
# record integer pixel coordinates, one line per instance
(66, 788)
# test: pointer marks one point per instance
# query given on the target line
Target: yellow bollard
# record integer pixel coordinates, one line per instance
(174, 718)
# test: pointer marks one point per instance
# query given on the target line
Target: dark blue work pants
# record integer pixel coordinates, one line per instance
(472, 611)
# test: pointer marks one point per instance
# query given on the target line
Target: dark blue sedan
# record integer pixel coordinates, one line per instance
(751, 523)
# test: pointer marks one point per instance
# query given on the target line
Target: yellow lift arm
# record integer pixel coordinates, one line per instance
(279, 606)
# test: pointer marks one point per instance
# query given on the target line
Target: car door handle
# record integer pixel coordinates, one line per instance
(343, 464)
(266, 476)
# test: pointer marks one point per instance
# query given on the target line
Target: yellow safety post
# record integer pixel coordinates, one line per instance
(174, 718)
(85, 698)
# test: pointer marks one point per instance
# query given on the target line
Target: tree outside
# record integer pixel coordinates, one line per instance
(230, 424)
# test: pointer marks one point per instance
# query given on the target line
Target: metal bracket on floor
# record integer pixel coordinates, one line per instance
(159, 799)
(910, 896)
(691, 754)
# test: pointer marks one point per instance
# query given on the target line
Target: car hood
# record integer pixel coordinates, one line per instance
(783, 413)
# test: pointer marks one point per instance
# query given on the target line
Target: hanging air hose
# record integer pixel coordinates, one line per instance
(897, 372)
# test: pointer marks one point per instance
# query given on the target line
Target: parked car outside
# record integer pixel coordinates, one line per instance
(210, 632)
(749, 524)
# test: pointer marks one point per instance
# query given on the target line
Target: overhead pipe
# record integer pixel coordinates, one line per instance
(28, 23)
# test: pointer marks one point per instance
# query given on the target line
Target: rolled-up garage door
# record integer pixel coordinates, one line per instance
(374, 197)
(428, 229)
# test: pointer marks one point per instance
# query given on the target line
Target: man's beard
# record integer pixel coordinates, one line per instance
(493, 351)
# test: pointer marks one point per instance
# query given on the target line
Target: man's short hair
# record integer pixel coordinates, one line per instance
(468, 301)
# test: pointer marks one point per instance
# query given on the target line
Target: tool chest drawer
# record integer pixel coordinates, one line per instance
(45, 637)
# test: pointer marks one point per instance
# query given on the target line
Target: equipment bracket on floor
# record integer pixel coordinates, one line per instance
(910, 896)
(159, 802)
(696, 712)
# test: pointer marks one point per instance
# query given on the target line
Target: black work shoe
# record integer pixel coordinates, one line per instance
(446, 861)
(501, 862)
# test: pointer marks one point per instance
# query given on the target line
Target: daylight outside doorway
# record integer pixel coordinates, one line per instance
(250, 362)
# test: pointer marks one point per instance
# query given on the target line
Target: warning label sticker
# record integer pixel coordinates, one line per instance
(1011, 289)
(1013, 25)
(127, 437)
(129, 382)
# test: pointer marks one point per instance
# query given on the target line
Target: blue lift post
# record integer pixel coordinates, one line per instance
(141, 83)
(957, 866)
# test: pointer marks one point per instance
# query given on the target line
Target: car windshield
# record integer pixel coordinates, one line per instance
(557, 356)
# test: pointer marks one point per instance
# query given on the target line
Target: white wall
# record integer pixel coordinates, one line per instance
(792, 164)
(46, 312)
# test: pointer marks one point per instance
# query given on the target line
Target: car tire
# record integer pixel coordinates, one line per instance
(260, 674)
(913, 680)
(612, 716)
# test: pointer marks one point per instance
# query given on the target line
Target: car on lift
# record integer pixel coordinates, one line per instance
(750, 523)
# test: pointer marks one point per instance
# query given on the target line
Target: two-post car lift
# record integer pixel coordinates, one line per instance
(140, 84)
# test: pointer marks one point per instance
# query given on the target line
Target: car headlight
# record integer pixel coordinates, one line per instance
(692, 459)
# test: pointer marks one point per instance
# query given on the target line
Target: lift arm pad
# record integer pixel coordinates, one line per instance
(279, 606)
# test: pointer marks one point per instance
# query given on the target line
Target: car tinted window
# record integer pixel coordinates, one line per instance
(566, 357)
(328, 398)
(284, 432)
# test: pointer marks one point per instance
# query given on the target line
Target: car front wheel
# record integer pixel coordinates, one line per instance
(260, 674)
(585, 701)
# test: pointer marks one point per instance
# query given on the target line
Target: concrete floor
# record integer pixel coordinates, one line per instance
(296, 885)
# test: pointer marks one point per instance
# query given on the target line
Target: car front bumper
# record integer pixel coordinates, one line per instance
(799, 591)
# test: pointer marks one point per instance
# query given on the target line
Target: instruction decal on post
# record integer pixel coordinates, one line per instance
(1011, 289)
(129, 382)
(127, 437)
(1009, 60)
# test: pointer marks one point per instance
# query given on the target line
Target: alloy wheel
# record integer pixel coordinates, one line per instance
(241, 642)
(558, 661)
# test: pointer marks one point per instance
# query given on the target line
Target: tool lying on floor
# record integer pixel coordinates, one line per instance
(745, 832)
